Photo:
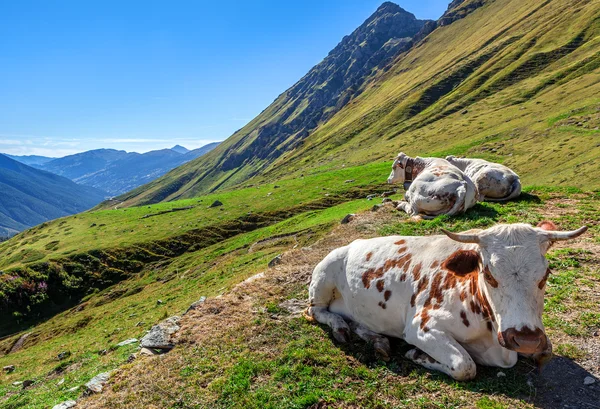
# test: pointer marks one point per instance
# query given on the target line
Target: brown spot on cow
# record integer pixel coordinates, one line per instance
(421, 286)
(402, 250)
(542, 283)
(416, 272)
(374, 273)
(463, 295)
(463, 262)
(380, 285)
(434, 264)
(382, 305)
(424, 319)
(465, 321)
(369, 255)
(387, 295)
(403, 277)
(489, 277)
(400, 242)
(489, 326)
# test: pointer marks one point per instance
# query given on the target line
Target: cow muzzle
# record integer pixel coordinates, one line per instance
(525, 340)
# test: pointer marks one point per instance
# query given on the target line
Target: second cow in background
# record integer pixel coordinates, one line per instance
(497, 183)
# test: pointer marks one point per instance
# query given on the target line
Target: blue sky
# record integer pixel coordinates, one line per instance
(142, 75)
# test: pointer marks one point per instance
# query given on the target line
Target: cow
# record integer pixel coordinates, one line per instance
(436, 186)
(495, 182)
(458, 298)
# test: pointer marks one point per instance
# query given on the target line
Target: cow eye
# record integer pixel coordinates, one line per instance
(542, 283)
(489, 277)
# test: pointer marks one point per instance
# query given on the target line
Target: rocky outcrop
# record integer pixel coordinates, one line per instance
(159, 336)
(329, 85)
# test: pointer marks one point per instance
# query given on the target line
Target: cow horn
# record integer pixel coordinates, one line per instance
(565, 235)
(462, 237)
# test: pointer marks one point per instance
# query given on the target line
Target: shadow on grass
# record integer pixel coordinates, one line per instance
(559, 384)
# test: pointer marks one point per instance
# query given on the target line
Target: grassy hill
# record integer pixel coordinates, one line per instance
(31, 196)
(513, 81)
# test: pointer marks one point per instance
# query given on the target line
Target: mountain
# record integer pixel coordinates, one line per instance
(31, 196)
(116, 171)
(180, 149)
(491, 78)
(30, 160)
(314, 99)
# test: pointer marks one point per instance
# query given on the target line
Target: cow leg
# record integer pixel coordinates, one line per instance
(448, 356)
(341, 331)
(406, 207)
(380, 342)
(322, 293)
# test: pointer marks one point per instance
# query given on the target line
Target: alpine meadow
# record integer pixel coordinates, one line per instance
(219, 252)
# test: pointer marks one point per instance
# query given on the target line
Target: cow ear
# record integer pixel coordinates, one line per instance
(463, 262)
(547, 225)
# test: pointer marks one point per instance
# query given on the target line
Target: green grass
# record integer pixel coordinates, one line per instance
(288, 362)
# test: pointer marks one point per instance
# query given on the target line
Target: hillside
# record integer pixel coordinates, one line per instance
(30, 196)
(513, 81)
(283, 125)
(247, 344)
(30, 160)
(117, 172)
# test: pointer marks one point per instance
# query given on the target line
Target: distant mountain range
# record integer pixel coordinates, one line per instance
(113, 171)
(31, 196)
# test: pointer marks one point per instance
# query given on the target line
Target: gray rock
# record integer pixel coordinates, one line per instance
(196, 304)
(388, 193)
(275, 261)
(348, 218)
(9, 368)
(371, 197)
(148, 352)
(159, 335)
(65, 405)
(17, 383)
(349, 181)
(60, 382)
(216, 203)
(127, 342)
(63, 355)
(588, 380)
(97, 382)
(73, 389)
(376, 207)
(159, 302)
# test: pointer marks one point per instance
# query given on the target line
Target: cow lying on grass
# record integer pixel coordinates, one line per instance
(460, 299)
(436, 186)
(495, 182)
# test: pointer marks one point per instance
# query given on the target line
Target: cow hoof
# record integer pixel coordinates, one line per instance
(342, 335)
(382, 352)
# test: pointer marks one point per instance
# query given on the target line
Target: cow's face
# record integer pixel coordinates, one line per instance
(513, 279)
(397, 175)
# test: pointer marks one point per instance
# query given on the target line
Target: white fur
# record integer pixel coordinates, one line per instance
(440, 188)
(515, 256)
(494, 181)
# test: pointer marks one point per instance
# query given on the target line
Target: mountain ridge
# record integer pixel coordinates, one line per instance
(31, 196)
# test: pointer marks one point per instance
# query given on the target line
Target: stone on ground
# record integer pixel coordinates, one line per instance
(65, 405)
(97, 382)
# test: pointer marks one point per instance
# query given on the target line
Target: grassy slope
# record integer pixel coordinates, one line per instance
(491, 85)
(249, 360)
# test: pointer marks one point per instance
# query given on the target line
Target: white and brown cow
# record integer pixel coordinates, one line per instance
(460, 299)
(495, 182)
(436, 186)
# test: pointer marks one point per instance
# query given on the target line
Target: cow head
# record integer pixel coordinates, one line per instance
(513, 277)
(398, 168)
